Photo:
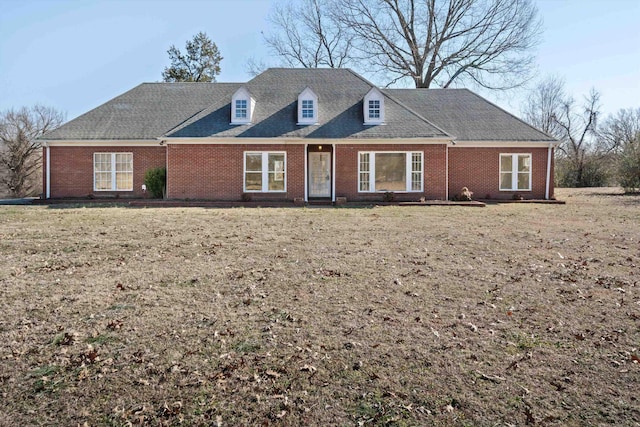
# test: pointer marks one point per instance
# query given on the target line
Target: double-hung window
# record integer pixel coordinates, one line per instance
(307, 109)
(113, 171)
(265, 172)
(390, 172)
(241, 109)
(374, 109)
(515, 172)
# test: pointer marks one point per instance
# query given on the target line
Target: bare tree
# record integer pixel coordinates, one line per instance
(20, 151)
(200, 63)
(620, 134)
(442, 42)
(581, 161)
(308, 35)
(543, 106)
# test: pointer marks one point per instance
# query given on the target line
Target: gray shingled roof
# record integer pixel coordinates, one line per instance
(340, 93)
(145, 112)
(155, 110)
(467, 116)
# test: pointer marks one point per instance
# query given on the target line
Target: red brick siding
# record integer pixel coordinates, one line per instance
(72, 170)
(479, 170)
(216, 171)
(434, 167)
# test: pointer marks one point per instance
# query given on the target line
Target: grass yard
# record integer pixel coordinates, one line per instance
(511, 314)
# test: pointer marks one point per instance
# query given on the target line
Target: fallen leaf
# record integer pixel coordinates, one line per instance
(272, 373)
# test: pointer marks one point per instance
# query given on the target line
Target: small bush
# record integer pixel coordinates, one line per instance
(388, 196)
(246, 197)
(156, 179)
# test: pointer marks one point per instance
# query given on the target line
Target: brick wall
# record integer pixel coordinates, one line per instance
(434, 167)
(72, 170)
(479, 170)
(215, 171)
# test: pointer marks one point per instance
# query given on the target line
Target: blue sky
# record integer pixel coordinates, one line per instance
(75, 55)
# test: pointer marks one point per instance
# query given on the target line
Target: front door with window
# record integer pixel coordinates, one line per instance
(319, 174)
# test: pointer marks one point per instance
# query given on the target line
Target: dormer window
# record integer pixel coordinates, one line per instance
(373, 107)
(242, 106)
(307, 107)
(241, 109)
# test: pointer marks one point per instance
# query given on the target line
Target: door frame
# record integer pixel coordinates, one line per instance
(320, 148)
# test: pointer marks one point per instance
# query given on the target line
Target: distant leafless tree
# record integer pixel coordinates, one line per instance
(20, 151)
(581, 161)
(544, 104)
(255, 66)
(620, 134)
(306, 34)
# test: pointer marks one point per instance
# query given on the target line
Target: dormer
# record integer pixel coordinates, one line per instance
(242, 107)
(373, 107)
(307, 107)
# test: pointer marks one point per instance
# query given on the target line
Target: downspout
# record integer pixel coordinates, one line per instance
(333, 172)
(306, 172)
(548, 183)
(48, 173)
(446, 170)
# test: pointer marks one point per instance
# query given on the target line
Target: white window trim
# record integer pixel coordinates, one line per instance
(373, 95)
(514, 171)
(114, 184)
(265, 172)
(239, 95)
(408, 171)
(308, 95)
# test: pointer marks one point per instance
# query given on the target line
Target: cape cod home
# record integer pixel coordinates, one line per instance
(299, 134)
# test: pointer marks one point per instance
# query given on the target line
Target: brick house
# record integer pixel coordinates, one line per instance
(312, 134)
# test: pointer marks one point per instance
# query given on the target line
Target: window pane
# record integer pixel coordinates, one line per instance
(374, 109)
(416, 171)
(524, 163)
(254, 181)
(241, 108)
(102, 162)
(124, 181)
(276, 171)
(276, 183)
(391, 172)
(506, 180)
(307, 109)
(103, 181)
(254, 162)
(523, 181)
(506, 164)
(276, 162)
(365, 175)
(124, 162)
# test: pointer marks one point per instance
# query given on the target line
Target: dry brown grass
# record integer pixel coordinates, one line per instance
(505, 315)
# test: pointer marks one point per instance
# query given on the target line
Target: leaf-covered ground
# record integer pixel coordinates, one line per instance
(511, 314)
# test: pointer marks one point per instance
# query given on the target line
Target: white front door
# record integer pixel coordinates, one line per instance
(319, 174)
